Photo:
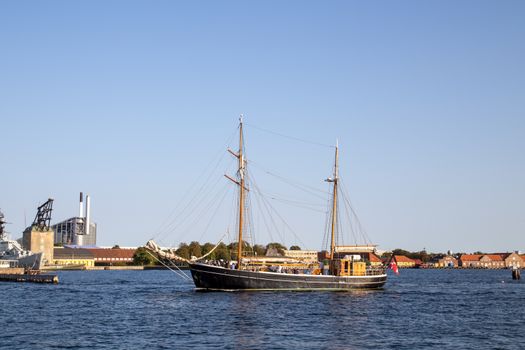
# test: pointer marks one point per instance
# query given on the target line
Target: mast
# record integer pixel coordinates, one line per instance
(241, 194)
(334, 200)
(241, 183)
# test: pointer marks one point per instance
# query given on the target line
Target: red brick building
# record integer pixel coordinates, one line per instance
(105, 256)
(403, 261)
(492, 261)
(470, 260)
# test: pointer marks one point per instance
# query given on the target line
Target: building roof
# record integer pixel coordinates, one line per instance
(494, 257)
(71, 253)
(355, 248)
(470, 257)
(374, 258)
(371, 257)
(116, 253)
(447, 257)
(402, 258)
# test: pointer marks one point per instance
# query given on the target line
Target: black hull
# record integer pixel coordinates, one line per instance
(219, 278)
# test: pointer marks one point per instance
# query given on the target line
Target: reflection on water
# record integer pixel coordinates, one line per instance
(440, 309)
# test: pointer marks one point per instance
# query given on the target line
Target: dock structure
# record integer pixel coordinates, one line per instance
(29, 278)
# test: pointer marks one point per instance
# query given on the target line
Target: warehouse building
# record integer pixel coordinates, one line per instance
(73, 257)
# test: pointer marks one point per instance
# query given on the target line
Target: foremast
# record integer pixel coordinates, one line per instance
(241, 172)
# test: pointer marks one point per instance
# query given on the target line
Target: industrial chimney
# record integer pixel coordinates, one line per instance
(81, 206)
(87, 221)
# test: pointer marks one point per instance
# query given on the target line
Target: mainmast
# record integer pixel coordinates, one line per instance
(241, 194)
(241, 183)
(334, 179)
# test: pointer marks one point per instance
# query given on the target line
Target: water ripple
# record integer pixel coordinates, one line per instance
(421, 309)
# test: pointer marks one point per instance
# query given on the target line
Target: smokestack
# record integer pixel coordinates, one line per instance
(81, 206)
(87, 215)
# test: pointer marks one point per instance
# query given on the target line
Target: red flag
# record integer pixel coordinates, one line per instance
(393, 267)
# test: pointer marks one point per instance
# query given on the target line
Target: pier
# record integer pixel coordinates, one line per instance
(12, 275)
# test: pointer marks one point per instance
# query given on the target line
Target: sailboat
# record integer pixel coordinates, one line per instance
(338, 272)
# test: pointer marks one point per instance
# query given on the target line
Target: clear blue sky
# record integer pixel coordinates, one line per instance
(129, 100)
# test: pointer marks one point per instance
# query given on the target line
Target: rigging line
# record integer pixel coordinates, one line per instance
(360, 226)
(228, 141)
(249, 218)
(288, 180)
(214, 213)
(293, 200)
(257, 198)
(289, 137)
(174, 225)
(182, 274)
(208, 206)
(297, 205)
(213, 249)
(251, 223)
(283, 221)
(232, 216)
(326, 238)
(347, 206)
(266, 207)
(363, 232)
(340, 232)
(344, 204)
(206, 188)
(190, 220)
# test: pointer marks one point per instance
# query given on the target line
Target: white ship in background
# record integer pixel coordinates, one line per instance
(13, 255)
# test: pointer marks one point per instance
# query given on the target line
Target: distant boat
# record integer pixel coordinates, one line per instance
(13, 255)
(339, 272)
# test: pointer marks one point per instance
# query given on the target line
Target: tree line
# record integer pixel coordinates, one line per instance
(223, 251)
(228, 252)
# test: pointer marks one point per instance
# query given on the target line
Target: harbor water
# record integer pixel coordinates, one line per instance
(420, 309)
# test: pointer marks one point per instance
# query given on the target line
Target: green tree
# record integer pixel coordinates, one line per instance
(222, 252)
(247, 249)
(295, 247)
(206, 248)
(399, 251)
(183, 251)
(143, 257)
(275, 248)
(259, 250)
(423, 256)
(195, 249)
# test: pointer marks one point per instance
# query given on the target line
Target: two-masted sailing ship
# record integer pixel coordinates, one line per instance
(338, 270)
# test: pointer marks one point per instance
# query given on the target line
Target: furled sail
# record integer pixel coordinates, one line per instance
(170, 254)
